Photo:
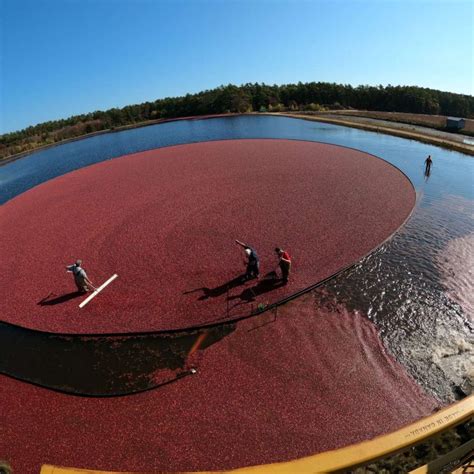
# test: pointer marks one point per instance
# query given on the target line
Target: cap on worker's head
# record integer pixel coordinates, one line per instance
(278, 249)
(248, 251)
(78, 262)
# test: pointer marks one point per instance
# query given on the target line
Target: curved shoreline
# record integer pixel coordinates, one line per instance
(123, 128)
(397, 131)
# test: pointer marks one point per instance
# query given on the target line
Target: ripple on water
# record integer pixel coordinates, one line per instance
(417, 288)
(456, 265)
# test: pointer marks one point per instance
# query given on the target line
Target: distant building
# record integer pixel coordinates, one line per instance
(454, 123)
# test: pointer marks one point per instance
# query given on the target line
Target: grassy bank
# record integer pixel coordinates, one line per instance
(7, 159)
(437, 122)
(394, 128)
(390, 123)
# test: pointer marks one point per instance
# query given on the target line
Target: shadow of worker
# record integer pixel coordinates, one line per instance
(49, 301)
(264, 286)
(218, 290)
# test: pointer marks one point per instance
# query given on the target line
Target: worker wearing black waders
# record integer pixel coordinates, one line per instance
(428, 163)
(253, 264)
(284, 262)
(80, 277)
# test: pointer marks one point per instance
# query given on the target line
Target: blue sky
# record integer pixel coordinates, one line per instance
(65, 57)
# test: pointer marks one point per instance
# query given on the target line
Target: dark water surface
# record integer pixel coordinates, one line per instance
(417, 288)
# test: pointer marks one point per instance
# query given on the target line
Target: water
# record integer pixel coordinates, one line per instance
(417, 288)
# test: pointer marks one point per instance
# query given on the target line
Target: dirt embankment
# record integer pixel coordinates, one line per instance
(430, 121)
(362, 120)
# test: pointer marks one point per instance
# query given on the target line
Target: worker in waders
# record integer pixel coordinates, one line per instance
(428, 163)
(253, 264)
(284, 262)
(80, 277)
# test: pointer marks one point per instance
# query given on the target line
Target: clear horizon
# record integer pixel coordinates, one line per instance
(65, 58)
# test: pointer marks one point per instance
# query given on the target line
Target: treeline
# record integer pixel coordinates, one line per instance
(315, 96)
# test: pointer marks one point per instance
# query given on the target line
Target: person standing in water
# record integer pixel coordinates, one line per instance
(428, 163)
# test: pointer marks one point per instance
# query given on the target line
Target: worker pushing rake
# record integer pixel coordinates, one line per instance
(83, 283)
(253, 263)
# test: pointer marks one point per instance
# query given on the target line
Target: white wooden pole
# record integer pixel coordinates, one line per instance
(96, 292)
